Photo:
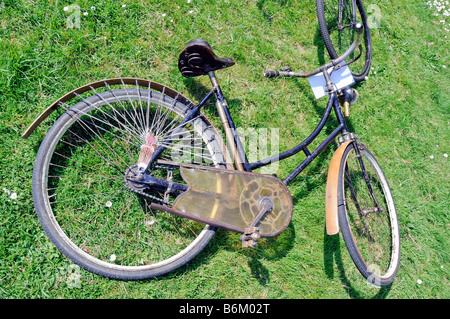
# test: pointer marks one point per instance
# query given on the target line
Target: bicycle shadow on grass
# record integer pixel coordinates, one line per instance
(267, 249)
(332, 255)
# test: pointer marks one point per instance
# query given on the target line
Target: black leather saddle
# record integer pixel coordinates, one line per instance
(198, 58)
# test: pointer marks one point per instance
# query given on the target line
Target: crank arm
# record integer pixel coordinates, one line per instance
(251, 234)
(266, 206)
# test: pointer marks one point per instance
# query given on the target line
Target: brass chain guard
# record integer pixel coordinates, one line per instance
(230, 199)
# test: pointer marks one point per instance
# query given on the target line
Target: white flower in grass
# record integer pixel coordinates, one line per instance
(419, 281)
(150, 222)
(92, 8)
(85, 13)
(13, 196)
(108, 204)
(124, 5)
(112, 257)
(445, 155)
(66, 9)
(431, 156)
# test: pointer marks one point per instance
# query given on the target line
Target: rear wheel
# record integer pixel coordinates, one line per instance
(337, 19)
(367, 216)
(80, 188)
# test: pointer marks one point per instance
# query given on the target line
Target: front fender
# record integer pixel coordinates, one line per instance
(331, 202)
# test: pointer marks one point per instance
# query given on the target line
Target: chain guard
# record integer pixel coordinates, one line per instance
(227, 199)
(230, 199)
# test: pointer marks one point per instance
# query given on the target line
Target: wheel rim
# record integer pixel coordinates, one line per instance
(342, 36)
(375, 234)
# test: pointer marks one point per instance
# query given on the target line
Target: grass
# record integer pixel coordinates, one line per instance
(402, 115)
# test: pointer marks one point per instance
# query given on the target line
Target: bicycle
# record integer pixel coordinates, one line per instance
(132, 180)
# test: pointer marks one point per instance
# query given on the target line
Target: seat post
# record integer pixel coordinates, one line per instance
(232, 138)
(212, 77)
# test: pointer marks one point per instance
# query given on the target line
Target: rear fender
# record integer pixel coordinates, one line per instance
(144, 84)
(331, 202)
(123, 83)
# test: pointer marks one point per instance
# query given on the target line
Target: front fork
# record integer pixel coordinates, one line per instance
(358, 155)
(348, 97)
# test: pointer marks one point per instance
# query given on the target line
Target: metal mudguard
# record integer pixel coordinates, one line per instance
(331, 202)
(140, 83)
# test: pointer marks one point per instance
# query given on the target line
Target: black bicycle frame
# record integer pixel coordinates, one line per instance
(232, 137)
(333, 103)
(303, 146)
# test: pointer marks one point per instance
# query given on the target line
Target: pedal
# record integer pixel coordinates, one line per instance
(250, 237)
(170, 180)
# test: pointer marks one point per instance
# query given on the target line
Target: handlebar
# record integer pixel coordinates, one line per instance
(334, 62)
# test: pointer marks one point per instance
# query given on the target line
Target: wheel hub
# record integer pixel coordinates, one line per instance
(134, 178)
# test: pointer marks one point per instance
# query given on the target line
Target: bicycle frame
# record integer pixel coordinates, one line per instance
(238, 152)
(237, 149)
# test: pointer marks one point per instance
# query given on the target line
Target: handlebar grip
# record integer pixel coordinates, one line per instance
(271, 74)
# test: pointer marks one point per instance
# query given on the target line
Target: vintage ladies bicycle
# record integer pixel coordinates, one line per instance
(132, 181)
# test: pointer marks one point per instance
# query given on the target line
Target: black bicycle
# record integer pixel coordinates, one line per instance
(133, 180)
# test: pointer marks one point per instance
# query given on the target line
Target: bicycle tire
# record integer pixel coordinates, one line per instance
(337, 42)
(80, 192)
(371, 235)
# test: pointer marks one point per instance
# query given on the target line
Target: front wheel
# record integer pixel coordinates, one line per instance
(337, 19)
(367, 216)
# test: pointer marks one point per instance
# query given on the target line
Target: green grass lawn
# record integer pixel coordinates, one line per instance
(402, 115)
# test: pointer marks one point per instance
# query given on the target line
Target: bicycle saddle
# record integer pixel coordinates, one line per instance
(198, 58)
